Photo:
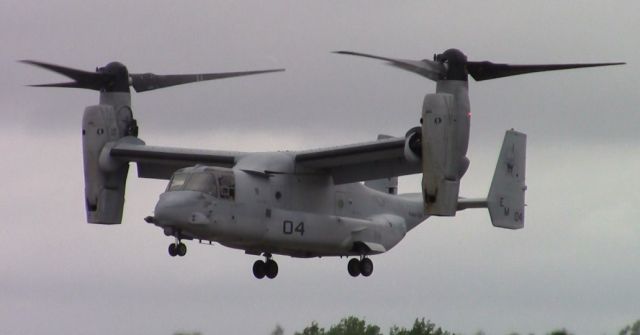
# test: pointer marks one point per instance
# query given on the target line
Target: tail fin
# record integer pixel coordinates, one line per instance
(506, 195)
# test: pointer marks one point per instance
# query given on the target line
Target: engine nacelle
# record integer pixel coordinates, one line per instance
(104, 180)
(444, 144)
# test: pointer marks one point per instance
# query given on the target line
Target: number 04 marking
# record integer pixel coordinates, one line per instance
(288, 228)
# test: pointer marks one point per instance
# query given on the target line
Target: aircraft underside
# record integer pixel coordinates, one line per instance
(284, 232)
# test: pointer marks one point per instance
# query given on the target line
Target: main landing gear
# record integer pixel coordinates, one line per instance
(362, 266)
(268, 267)
(177, 249)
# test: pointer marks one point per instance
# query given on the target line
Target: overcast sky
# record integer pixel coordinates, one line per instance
(575, 265)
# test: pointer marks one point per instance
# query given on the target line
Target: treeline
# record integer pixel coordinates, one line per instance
(354, 326)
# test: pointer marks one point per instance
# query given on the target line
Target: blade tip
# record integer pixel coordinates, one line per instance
(28, 61)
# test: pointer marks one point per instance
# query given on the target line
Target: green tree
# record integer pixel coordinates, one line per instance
(353, 326)
(420, 327)
(560, 332)
(278, 330)
(314, 329)
(633, 329)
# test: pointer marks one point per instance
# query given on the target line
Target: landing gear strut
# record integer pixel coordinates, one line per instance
(268, 267)
(177, 249)
(362, 266)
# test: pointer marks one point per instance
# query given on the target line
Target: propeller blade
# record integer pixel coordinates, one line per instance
(82, 79)
(149, 81)
(488, 70)
(72, 84)
(426, 68)
(114, 77)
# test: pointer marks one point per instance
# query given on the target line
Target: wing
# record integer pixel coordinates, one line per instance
(383, 158)
(161, 162)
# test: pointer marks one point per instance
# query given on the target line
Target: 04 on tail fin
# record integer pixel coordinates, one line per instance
(505, 200)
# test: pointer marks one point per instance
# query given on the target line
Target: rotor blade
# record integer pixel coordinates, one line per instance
(426, 68)
(487, 70)
(72, 84)
(83, 79)
(149, 81)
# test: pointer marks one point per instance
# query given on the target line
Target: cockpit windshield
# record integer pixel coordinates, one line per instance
(177, 182)
(215, 182)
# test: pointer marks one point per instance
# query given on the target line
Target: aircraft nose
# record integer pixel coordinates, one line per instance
(175, 207)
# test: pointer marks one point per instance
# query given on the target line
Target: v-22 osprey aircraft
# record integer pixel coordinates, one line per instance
(309, 203)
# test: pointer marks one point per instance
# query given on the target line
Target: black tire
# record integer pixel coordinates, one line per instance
(181, 249)
(366, 267)
(353, 267)
(271, 269)
(259, 269)
(173, 250)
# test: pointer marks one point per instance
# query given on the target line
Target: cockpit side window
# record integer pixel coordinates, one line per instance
(202, 182)
(227, 186)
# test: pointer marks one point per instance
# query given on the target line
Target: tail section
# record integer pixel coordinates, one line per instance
(506, 194)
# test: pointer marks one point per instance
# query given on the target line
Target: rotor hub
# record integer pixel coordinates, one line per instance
(455, 63)
(117, 77)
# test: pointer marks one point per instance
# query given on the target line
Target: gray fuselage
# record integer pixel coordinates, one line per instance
(296, 214)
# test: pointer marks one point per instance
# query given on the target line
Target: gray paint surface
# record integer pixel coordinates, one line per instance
(574, 266)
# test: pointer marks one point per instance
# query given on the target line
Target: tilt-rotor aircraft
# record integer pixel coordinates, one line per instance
(338, 201)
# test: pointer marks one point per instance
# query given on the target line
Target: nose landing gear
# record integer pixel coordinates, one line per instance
(268, 267)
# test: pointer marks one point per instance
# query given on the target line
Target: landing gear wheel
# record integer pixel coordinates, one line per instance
(259, 269)
(354, 267)
(366, 267)
(173, 250)
(271, 269)
(181, 249)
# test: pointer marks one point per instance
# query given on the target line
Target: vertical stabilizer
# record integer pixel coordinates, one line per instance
(506, 195)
